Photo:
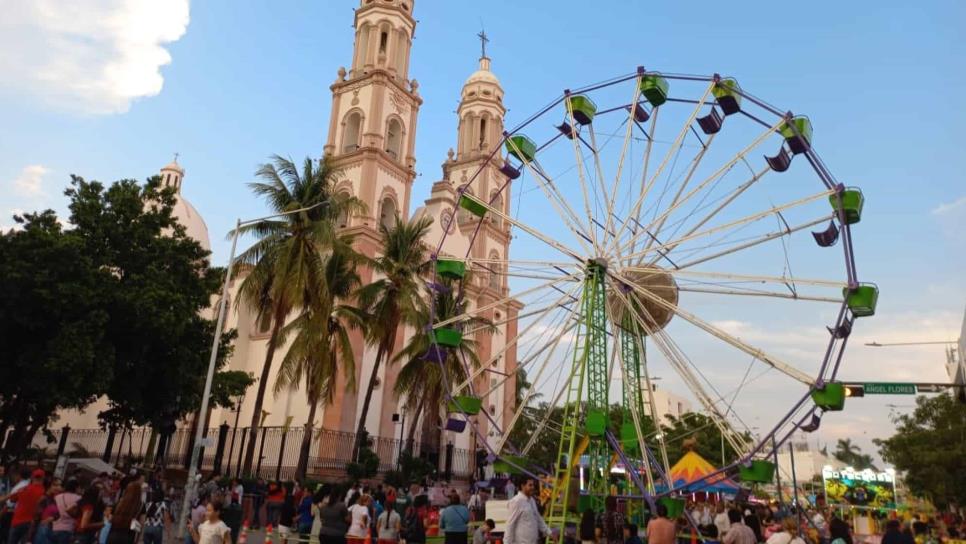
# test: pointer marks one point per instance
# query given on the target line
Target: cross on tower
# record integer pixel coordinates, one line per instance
(483, 41)
(176, 156)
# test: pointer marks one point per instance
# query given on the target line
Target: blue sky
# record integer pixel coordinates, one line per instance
(881, 81)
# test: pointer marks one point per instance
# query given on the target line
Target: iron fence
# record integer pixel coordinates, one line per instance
(276, 450)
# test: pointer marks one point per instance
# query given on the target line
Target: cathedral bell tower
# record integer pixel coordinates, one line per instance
(474, 166)
(372, 126)
(371, 142)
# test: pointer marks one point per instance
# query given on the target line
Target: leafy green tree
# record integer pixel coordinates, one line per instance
(547, 439)
(54, 351)
(160, 282)
(424, 383)
(929, 449)
(286, 260)
(321, 341)
(111, 307)
(395, 298)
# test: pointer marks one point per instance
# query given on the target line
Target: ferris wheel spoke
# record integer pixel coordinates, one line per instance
(559, 203)
(750, 277)
(757, 293)
(628, 137)
(731, 198)
(671, 152)
(680, 366)
(711, 179)
(575, 141)
(754, 242)
(526, 228)
(645, 187)
(523, 263)
(665, 247)
(512, 343)
(770, 360)
(520, 410)
(496, 304)
(695, 163)
(520, 316)
(554, 402)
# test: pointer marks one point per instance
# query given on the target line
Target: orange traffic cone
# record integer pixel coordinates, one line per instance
(268, 533)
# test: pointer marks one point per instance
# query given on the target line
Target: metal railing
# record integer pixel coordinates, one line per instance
(276, 450)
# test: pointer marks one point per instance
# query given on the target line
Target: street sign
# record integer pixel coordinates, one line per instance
(886, 388)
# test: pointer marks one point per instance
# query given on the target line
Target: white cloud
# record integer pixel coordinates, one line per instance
(30, 181)
(947, 207)
(7, 222)
(88, 56)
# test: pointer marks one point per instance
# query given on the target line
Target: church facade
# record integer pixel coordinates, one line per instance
(371, 141)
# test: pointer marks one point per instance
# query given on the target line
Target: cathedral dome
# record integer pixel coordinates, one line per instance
(194, 224)
(172, 175)
(483, 75)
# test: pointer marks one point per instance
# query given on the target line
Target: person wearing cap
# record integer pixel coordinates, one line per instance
(27, 500)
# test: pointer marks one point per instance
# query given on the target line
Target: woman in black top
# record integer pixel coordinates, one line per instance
(334, 518)
(286, 515)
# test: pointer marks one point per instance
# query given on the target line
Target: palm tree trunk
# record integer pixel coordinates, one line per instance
(303, 463)
(260, 396)
(411, 435)
(385, 350)
(361, 427)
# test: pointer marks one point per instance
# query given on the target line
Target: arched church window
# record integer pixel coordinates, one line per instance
(394, 139)
(353, 129)
(387, 217)
(482, 133)
(343, 220)
(383, 42)
(495, 269)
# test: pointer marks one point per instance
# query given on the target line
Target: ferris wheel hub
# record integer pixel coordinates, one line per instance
(629, 305)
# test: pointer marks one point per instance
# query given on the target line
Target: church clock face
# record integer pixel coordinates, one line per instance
(446, 221)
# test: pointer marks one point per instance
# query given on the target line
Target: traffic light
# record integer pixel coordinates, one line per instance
(854, 391)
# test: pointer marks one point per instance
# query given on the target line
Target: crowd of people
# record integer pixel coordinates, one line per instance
(38, 508)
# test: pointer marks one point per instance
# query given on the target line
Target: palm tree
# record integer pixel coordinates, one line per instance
(321, 343)
(286, 261)
(393, 299)
(425, 383)
(845, 451)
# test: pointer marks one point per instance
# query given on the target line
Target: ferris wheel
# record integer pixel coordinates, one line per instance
(657, 218)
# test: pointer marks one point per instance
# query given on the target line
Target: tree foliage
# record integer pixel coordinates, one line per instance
(110, 306)
(929, 449)
(284, 264)
(851, 454)
(54, 351)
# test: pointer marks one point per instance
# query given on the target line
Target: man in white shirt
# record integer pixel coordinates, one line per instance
(524, 524)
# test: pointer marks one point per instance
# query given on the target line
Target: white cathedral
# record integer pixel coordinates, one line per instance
(371, 140)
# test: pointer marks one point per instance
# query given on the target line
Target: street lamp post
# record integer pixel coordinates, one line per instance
(191, 487)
